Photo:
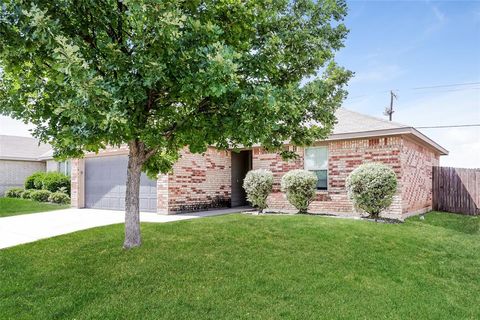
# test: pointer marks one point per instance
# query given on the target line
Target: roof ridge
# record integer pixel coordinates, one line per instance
(376, 118)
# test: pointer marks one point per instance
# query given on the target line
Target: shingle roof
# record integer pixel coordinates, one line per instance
(350, 121)
(353, 125)
(47, 155)
(21, 148)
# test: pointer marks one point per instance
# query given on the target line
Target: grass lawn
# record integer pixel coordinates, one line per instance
(251, 267)
(13, 206)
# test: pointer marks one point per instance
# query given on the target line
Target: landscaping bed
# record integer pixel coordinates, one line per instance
(251, 267)
(43, 191)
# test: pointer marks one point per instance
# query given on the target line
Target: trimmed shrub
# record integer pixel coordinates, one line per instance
(371, 187)
(27, 194)
(40, 195)
(59, 197)
(14, 193)
(258, 185)
(55, 181)
(300, 187)
(51, 181)
(34, 181)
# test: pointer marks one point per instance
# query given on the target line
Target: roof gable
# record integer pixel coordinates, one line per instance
(354, 125)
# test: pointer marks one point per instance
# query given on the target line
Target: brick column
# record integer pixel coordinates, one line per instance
(78, 183)
(162, 194)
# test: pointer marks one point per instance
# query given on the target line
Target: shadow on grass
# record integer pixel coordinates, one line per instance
(456, 222)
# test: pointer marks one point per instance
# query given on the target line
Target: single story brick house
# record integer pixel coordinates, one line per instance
(214, 179)
(22, 156)
(19, 158)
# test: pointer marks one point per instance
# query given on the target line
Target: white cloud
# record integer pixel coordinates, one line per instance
(12, 127)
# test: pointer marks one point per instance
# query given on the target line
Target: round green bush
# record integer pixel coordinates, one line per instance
(258, 185)
(59, 197)
(55, 181)
(40, 195)
(371, 187)
(14, 193)
(300, 187)
(27, 194)
(34, 181)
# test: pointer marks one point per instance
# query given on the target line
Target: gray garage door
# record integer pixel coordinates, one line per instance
(105, 188)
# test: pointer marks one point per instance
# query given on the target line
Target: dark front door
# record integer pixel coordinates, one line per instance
(241, 164)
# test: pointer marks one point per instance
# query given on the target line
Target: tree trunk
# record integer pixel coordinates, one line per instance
(132, 202)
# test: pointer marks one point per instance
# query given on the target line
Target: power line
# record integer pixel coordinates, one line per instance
(447, 90)
(450, 126)
(447, 85)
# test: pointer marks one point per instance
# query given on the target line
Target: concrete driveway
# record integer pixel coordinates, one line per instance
(35, 226)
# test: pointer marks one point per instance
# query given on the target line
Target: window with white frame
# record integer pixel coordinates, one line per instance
(64, 167)
(316, 160)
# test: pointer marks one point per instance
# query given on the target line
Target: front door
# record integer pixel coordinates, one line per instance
(241, 164)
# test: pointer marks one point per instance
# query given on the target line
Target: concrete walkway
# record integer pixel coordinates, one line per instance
(26, 228)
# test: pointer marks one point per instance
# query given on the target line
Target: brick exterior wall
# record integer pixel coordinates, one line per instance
(76, 175)
(13, 173)
(417, 163)
(343, 157)
(197, 182)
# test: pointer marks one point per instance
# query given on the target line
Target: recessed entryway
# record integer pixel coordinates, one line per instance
(241, 164)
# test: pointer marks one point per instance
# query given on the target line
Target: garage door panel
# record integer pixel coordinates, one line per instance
(105, 179)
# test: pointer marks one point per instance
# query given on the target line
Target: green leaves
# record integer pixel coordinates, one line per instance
(172, 74)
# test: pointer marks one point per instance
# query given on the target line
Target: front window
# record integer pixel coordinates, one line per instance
(316, 160)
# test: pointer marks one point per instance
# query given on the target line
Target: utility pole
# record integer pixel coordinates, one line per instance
(389, 111)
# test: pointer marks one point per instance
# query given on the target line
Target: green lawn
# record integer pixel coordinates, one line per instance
(251, 267)
(12, 206)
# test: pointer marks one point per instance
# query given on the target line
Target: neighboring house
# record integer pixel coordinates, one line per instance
(215, 179)
(22, 156)
(19, 159)
(53, 165)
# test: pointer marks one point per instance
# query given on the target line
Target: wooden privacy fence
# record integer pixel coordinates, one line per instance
(456, 190)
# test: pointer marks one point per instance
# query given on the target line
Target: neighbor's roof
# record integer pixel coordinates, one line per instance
(47, 155)
(351, 125)
(21, 148)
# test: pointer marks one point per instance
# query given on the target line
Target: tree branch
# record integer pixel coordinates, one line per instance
(150, 153)
(119, 32)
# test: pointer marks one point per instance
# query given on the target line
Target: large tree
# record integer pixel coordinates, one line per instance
(160, 75)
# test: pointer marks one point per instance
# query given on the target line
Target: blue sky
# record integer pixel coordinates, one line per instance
(403, 45)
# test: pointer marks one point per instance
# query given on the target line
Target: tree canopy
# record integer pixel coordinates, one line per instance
(91, 73)
(160, 75)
